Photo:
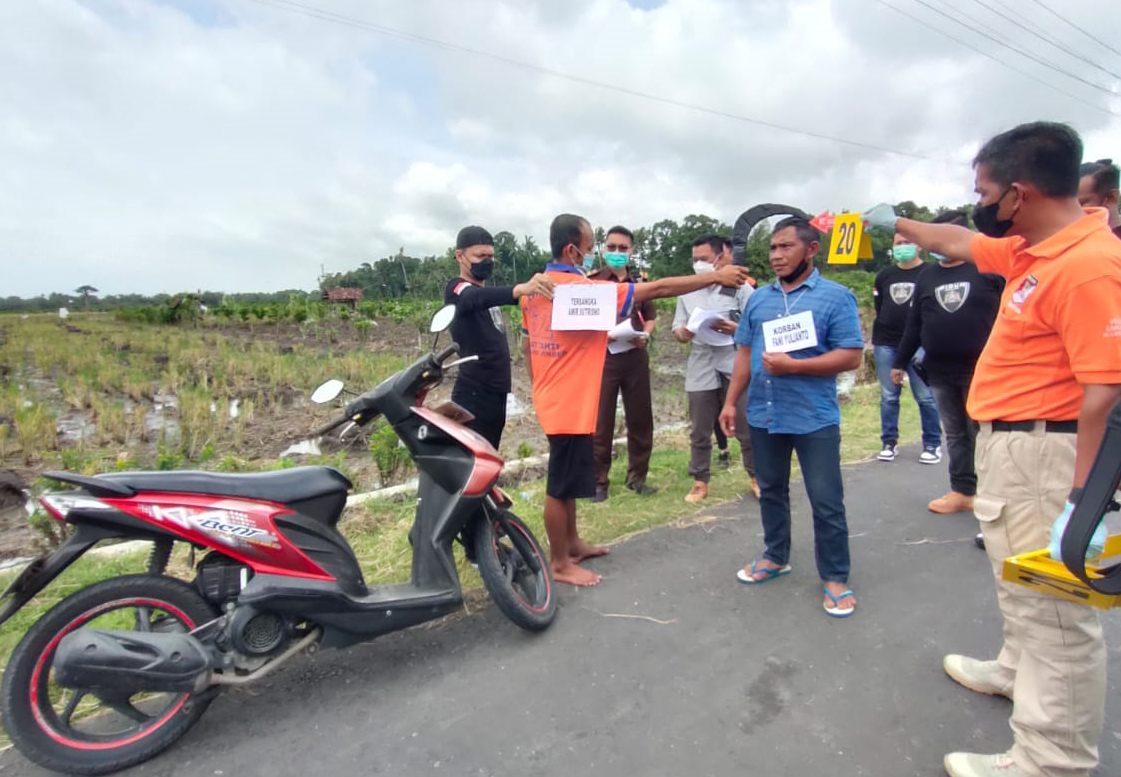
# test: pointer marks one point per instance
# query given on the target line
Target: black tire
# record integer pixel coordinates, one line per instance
(51, 739)
(527, 598)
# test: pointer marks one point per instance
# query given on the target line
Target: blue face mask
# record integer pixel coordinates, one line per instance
(589, 261)
(615, 259)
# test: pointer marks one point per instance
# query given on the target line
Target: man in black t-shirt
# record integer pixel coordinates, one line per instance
(892, 293)
(481, 386)
(953, 309)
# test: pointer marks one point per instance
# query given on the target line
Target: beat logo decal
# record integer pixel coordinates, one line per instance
(232, 527)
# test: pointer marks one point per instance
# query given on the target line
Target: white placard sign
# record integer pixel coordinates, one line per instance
(584, 306)
(791, 333)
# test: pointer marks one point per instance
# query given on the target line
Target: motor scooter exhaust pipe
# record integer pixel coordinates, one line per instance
(131, 662)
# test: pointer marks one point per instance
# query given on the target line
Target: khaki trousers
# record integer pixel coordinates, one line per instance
(1053, 649)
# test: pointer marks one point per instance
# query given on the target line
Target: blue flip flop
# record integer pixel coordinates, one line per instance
(837, 612)
(747, 579)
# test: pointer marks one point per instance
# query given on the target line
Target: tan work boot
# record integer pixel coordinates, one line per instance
(979, 676)
(952, 502)
(977, 765)
(699, 492)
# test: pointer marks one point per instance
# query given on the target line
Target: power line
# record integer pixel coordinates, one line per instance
(987, 55)
(1049, 41)
(331, 16)
(1026, 54)
(1100, 42)
(1005, 39)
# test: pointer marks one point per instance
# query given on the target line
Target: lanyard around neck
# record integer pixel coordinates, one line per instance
(785, 299)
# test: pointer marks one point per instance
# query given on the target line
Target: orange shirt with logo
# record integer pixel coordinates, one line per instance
(567, 365)
(1059, 324)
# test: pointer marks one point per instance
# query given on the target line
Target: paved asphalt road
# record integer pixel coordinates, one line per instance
(669, 667)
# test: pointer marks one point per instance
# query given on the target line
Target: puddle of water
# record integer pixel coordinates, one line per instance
(302, 448)
(157, 419)
(75, 426)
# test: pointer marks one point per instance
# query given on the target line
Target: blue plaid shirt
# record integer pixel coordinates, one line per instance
(798, 404)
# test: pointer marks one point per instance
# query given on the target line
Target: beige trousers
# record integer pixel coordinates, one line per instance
(1053, 649)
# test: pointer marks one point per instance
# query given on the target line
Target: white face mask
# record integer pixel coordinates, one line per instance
(701, 266)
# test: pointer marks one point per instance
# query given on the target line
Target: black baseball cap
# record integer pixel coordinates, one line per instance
(473, 236)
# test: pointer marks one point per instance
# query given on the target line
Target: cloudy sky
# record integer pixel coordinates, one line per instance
(241, 145)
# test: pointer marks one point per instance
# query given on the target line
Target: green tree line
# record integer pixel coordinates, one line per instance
(661, 249)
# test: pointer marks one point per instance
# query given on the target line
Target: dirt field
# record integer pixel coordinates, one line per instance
(281, 416)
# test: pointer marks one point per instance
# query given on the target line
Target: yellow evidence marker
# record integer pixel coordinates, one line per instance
(850, 243)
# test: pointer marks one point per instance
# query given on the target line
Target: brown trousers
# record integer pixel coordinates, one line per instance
(628, 372)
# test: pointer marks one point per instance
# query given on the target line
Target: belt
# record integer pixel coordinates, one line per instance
(1057, 427)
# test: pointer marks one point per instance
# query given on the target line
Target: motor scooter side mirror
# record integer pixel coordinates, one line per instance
(442, 319)
(327, 391)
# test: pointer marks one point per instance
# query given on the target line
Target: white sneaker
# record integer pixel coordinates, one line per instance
(931, 454)
(888, 453)
(978, 765)
(979, 676)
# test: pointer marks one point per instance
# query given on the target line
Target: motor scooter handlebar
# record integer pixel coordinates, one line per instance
(330, 425)
(451, 350)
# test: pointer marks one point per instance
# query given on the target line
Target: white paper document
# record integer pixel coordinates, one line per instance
(584, 306)
(623, 337)
(790, 333)
(700, 324)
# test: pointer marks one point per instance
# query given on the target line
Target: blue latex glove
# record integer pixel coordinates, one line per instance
(882, 215)
(1097, 541)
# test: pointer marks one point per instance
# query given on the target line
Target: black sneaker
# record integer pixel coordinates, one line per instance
(642, 489)
(888, 453)
(600, 495)
(931, 454)
(724, 460)
(979, 540)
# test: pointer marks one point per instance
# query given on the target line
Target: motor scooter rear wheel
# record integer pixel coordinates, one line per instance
(526, 597)
(79, 732)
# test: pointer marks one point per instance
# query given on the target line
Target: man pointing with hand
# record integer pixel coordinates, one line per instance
(1044, 384)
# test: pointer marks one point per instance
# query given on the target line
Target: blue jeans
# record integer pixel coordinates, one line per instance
(819, 454)
(889, 401)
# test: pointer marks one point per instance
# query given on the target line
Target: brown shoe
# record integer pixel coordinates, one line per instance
(699, 492)
(953, 502)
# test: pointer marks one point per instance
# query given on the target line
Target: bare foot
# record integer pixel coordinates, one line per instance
(574, 575)
(578, 550)
(843, 603)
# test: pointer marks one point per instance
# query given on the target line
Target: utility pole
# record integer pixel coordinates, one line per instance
(401, 259)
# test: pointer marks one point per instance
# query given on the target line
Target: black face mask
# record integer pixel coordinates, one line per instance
(984, 218)
(801, 268)
(480, 271)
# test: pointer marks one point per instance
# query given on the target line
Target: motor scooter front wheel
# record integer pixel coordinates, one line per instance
(526, 597)
(80, 732)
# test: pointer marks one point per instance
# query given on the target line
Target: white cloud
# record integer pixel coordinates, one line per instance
(156, 146)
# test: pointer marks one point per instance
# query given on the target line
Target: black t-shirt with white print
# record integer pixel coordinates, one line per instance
(892, 293)
(952, 313)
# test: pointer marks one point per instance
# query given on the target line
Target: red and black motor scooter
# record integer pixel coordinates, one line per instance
(119, 670)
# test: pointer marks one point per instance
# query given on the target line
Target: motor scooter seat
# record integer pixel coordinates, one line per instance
(284, 486)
